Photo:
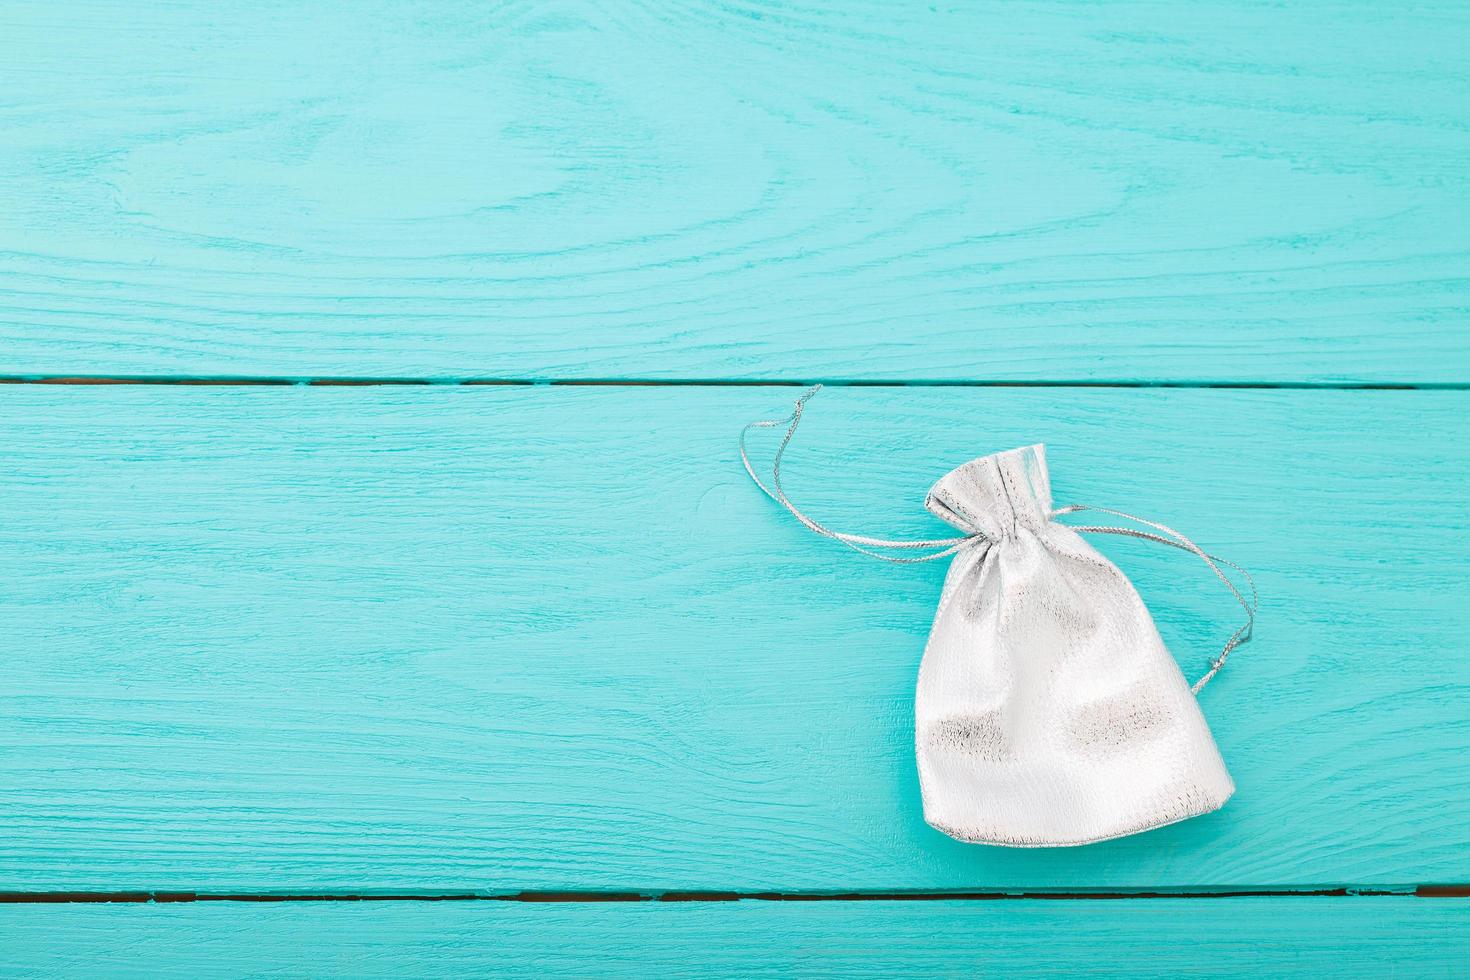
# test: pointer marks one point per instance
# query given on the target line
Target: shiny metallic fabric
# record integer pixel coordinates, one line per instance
(1048, 710)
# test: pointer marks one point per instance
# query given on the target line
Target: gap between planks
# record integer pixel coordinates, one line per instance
(326, 381)
(585, 897)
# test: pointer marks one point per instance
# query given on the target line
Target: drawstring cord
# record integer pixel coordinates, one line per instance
(943, 547)
(857, 542)
(1242, 635)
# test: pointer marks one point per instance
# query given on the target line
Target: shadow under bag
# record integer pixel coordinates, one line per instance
(1048, 711)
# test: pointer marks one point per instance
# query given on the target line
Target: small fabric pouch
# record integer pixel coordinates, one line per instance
(1048, 711)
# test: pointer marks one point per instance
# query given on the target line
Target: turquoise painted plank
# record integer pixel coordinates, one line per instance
(1138, 190)
(1224, 937)
(494, 639)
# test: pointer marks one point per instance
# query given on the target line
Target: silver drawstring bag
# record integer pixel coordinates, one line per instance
(1048, 711)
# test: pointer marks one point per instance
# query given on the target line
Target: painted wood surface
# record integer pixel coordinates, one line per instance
(1136, 191)
(495, 639)
(1273, 937)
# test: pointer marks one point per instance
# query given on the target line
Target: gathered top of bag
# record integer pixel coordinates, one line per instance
(994, 495)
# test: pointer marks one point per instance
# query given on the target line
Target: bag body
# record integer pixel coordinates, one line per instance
(1048, 711)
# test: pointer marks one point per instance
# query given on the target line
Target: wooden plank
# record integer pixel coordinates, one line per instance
(494, 639)
(1318, 937)
(1130, 191)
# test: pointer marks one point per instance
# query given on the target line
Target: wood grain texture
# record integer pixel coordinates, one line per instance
(1274, 937)
(1133, 191)
(494, 639)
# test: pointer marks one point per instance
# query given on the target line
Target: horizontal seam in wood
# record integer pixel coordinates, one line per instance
(589, 897)
(325, 382)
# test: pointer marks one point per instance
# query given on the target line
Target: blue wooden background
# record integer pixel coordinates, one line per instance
(371, 525)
